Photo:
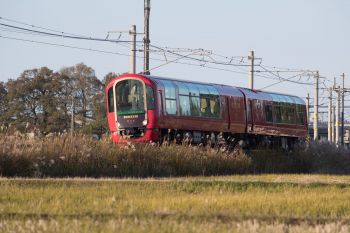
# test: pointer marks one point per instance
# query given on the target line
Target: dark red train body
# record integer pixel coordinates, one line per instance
(144, 108)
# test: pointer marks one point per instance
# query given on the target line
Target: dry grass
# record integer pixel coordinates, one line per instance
(81, 156)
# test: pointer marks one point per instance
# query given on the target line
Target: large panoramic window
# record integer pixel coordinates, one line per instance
(129, 97)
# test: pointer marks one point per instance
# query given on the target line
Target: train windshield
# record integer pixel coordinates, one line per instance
(130, 97)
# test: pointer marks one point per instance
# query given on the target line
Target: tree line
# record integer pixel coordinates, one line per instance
(43, 101)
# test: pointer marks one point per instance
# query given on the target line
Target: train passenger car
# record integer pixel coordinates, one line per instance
(144, 108)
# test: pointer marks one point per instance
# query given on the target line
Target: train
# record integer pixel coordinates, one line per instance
(145, 108)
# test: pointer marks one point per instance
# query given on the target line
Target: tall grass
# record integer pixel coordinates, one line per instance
(82, 156)
(65, 156)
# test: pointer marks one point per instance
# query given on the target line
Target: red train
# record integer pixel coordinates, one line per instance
(143, 108)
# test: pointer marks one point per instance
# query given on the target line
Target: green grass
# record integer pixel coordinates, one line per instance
(264, 203)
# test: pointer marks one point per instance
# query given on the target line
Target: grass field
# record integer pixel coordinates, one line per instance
(263, 203)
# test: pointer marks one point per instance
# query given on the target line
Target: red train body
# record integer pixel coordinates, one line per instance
(144, 108)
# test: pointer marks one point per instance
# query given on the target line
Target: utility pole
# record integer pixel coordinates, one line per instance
(251, 72)
(333, 124)
(330, 116)
(334, 114)
(132, 33)
(308, 111)
(342, 111)
(337, 117)
(146, 40)
(316, 107)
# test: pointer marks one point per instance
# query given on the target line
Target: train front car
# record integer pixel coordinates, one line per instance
(131, 109)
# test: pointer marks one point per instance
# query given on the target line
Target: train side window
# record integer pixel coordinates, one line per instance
(185, 109)
(268, 113)
(194, 99)
(278, 114)
(195, 106)
(170, 97)
(205, 105)
(290, 115)
(300, 115)
(110, 100)
(184, 99)
(150, 97)
(210, 106)
(215, 106)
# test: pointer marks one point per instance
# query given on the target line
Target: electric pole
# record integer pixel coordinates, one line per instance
(330, 116)
(146, 40)
(132, 33)
(308, 111)
(316, 107)
(342, 111)
(251, 80)
(337, 117)
(334, 114)
(333, 124)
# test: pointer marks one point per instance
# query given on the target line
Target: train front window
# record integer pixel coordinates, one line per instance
(130, 97)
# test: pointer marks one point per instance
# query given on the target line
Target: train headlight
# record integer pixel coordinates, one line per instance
(144, 122)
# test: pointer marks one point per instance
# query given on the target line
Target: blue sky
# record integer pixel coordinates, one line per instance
(312, 34)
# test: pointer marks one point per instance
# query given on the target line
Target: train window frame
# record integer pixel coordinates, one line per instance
(110, 100)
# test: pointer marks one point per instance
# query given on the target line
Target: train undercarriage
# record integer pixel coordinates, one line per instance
(228, 141)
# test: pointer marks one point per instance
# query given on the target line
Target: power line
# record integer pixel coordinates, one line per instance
(31, 25)
(61, 45)
(165, 50)
(114, 53)
(64, 35)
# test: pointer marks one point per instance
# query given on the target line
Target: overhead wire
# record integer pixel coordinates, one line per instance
(203, 62)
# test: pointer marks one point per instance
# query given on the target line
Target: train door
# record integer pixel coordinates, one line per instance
(110, 110)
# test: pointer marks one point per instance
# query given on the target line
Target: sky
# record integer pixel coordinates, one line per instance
(295, 34)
